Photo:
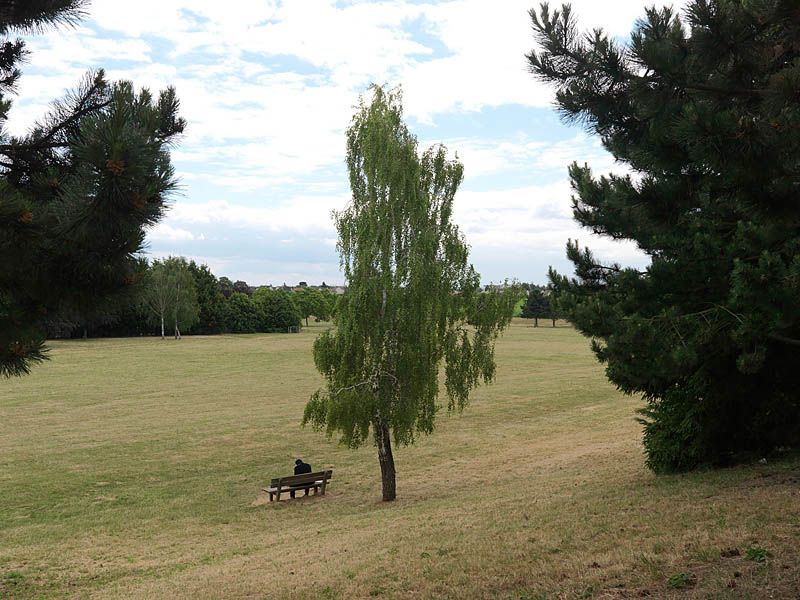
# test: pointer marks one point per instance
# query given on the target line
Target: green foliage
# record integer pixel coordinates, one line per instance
(226, 287)
(537, 305)
(242, 314)
(756, 554)
(76, 192)
(680, 581)
(276, 310)
(211, 318)
(705, 112)
(411, 291)
(170, 295)
(242, 287)
(313, 302)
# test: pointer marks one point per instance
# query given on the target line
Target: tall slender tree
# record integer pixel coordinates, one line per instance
(76, 192)
(705, 110)
(185, 307)
(411, 292)
(157, 294)
(170, 295)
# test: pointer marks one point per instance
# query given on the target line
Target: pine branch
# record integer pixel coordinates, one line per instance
(65, 115)
(35, 16)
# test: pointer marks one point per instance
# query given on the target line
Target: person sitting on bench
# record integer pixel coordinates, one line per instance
(300, 468)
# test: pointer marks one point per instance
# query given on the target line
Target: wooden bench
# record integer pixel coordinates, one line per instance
(293, 483)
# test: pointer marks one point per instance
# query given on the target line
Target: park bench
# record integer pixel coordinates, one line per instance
(294, 483)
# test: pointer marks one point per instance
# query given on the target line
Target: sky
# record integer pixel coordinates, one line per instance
(268, 88)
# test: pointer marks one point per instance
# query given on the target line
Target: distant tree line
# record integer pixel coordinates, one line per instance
(174, 296)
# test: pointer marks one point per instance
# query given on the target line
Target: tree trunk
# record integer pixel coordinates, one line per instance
(554, 322)
(386, 460)
(162, 326)
(535, 321)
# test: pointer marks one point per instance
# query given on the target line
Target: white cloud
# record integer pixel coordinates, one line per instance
(300, 214)
(165, 232)
(524, 153)
(268, 88)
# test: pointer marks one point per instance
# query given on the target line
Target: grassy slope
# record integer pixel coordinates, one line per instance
(132, 468)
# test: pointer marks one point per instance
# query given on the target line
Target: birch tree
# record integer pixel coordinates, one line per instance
(157, 294)
(185, 307)
(170, 295)
(411, 304)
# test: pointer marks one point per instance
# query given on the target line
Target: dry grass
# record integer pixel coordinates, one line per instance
(132, 468)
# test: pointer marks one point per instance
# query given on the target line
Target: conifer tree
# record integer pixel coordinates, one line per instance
(411, 294)
(705, 110)
(537, 306)
(76, 192)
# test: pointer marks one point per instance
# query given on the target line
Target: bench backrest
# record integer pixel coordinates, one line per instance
(302, 479)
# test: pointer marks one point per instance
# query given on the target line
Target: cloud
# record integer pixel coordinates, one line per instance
(268, 88)
(525, 153)
(300, 214)
(165, 232)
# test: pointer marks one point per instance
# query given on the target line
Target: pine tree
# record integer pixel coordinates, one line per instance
(411, 292)
(705, 110)
(76, 192)
(537, 306)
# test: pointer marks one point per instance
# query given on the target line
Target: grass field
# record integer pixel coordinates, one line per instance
(133, 468)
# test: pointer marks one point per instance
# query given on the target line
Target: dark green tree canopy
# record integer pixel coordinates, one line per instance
(705, 110)
(210, 300)
(76, 192)
(537, 305)
(277, 310)
(241, 314)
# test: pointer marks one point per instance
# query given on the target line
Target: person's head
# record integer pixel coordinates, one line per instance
(299, 461)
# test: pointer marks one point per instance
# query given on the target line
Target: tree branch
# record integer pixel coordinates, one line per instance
(782, 338)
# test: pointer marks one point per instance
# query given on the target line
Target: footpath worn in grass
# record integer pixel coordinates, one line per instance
(133, 468)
